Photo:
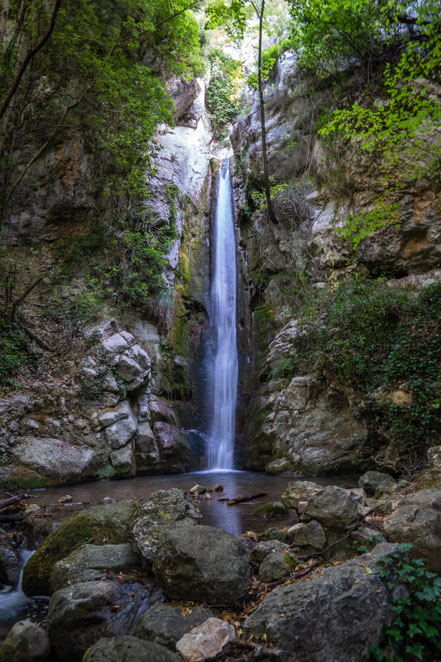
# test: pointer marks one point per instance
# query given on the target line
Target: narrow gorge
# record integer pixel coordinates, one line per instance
(220, 339)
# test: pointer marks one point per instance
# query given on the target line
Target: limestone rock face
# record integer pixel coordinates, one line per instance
(166, 623)
(201, 564)
(336, 617)
(162, 511)
(128, 649)
(173, 447)
(417, 520)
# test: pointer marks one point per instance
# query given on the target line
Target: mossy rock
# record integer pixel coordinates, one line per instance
(7, 653)
(272, 510)
(99, 525)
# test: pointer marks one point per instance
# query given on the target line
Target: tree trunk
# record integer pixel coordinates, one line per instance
(262, 120)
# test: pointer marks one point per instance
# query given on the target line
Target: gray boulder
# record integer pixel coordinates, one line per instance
(336, 617)
(30, 641)
(298, 493)
(9, 560)
(265, 547)
(418, 520)
(166, 623)
(92, 562)
(310, 534)
(161, 512)
(275, 566)
(129, 649)
(205, 564)
(333, 507)
(376, 483)
(82, 613)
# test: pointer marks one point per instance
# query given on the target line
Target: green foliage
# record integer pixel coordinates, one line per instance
(415, 632)
(374, 340)
(330, 34)
(269, 61)
(361, 226)
(15, 351)
(223, 94)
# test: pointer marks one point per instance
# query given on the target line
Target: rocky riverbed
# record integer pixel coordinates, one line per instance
(128, 580)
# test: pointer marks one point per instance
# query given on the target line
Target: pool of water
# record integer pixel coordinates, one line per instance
(14, 605)
(235, 519)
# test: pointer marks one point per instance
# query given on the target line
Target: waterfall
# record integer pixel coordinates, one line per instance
(224, 370)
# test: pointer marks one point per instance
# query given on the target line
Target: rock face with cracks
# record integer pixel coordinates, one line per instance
(166, 623)
(128, 649)
(202, 564)
(333, 618)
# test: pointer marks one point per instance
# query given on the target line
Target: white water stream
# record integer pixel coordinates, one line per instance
(224, 370)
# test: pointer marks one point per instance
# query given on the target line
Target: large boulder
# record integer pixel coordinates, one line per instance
(92, 562)
(9, 560)
(30, 641)
(205, 564)
(377, 483)
(166, 623)
(82, 613)
(336, 617)
(42, 462)
(333, 507)
(275, 566)
(310, 534)
(129, 649)
(298, 493)
(418, 520)
(100, 525)
(163, 509)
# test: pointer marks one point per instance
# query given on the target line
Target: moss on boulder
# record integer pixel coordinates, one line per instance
(99, 525)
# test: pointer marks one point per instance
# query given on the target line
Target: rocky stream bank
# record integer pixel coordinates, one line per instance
(147, 581)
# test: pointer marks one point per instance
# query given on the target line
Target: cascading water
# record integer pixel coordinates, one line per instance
(224, 372)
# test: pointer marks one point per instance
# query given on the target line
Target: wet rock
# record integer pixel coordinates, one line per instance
(166, 623)
(278, 466)
(197, 490)
(92, 562)
(376, 483)
(206, 640)
(298, 493)
(100, 525)
(129, 649)
(174, 449)
(161, 512)
(65, 499)
(216, 488)
(82, 613)
(273, 510)
(52, 461)
(9, 560)
(30, 642)
(337, 616)
(333, 507)
(275, 566)
(160, 410)
(206, 564)
(262, 549)
(307, 535)
(417, 520)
